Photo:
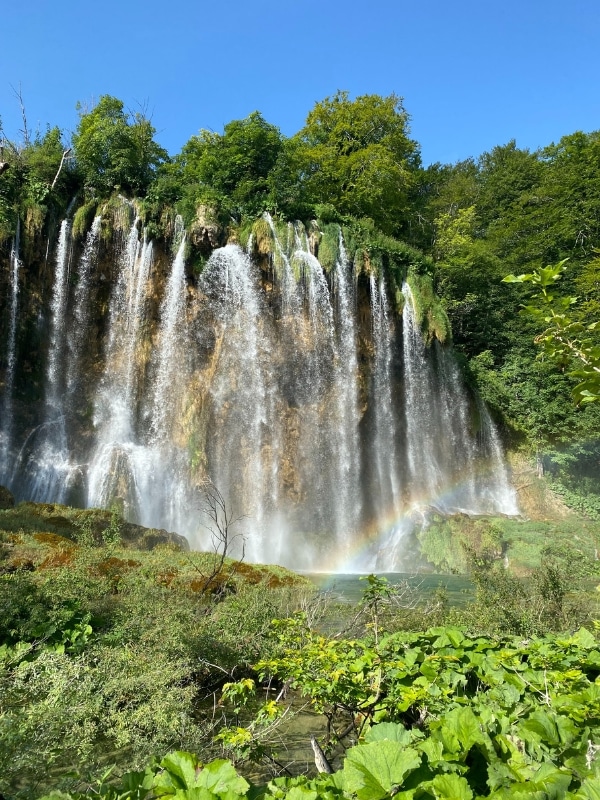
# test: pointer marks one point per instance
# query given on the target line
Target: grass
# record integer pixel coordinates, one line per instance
(75, 523)
(521, 544)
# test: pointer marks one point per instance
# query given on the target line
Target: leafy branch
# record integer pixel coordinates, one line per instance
(564, 338)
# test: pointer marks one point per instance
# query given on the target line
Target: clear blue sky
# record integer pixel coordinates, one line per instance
(472, 74)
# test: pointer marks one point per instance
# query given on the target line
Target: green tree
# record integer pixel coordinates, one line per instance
(115, 150)
(505, 173)
(358, 157)
(231, 170)
(548, 210)
(38, 179)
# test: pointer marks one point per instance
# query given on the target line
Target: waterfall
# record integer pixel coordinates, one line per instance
(318, 339)
(164, 489)
(446, 466)
(314, 365)
(241, 406)
(54, 387)
(80, 315)
(421, 412)
(47, 468)
(385, 483)
(117, 459)
(48, 461)
(7, 422)
(345, 420)
(171, 321)
(497, 494)
(289, 290)
(326, 422)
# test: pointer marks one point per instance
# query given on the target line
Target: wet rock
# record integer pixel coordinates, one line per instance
(205, 233)
(6, 498)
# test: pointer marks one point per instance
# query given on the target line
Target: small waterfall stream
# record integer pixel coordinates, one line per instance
(58, 307)
(112, 469)
(421, 411)
(49, 463)
(386, 482)
(47, 467)
(81, 308)
(240, 402)
(6, 423)
(172, 319)
(447, 466)
(347, 509)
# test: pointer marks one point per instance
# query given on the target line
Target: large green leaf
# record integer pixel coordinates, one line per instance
(433, 749)
(553, 781)
(222, 780)
(451, 787)
(391, 731)
(548, 727)
(183, 777)
(461, 730)
(372, 770)
(447, 637)
(180, 771)
(590, 789)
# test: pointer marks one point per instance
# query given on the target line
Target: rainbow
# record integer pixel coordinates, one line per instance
(366, 550)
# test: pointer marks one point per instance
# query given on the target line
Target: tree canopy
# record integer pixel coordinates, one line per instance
(357, 156)
(231, 169)
(115, 150)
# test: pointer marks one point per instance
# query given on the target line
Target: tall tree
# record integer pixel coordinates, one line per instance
(115, 150)
(356, 155)
(231, 169)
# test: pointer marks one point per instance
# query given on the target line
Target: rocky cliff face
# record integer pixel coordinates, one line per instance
(293, 385)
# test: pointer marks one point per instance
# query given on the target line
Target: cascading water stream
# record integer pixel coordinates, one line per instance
(161, 466)
(322, 372)
(172, 320)
(315, 366)
(498, 494)
(48, 468)
(460, 455)
(423, 425)
(6, 424)
(58, 306)
(457, 473)
(112, 470)
(283, 267)
(80, 314)
(347, 506)
(385, 482)
(128, 313)
(240, 401)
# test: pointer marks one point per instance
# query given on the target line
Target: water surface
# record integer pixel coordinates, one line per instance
(349, 588)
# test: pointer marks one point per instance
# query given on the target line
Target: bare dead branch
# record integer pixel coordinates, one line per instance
(5, 141)
(25, 130)
(62, 161)
(219, 524)
(321, 761)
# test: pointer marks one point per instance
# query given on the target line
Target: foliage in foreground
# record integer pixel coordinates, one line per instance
(564, 339)
(440, 715)
(107, 654)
